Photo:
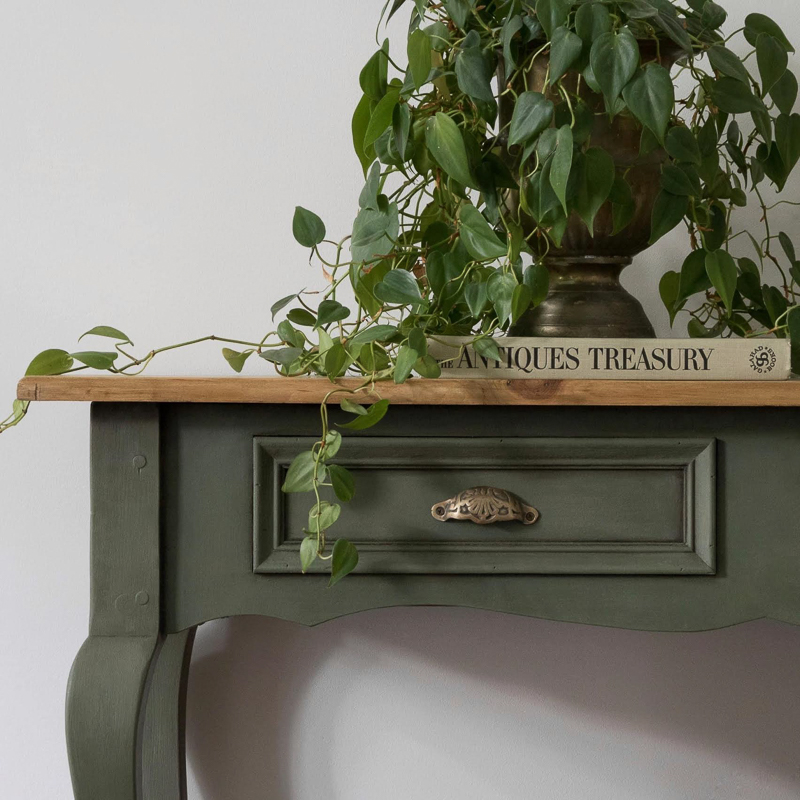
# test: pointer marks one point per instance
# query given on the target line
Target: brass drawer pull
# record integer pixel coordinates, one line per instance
(485, 505)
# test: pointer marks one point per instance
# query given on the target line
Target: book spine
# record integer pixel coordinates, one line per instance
(615, 359)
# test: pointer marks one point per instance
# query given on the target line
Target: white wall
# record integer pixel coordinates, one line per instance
(151, 156)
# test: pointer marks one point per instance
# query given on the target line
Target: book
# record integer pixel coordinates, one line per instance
(617, 359)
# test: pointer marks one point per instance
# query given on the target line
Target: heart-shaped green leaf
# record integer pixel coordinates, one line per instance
(501, 293)
(96, 360)
(723, 274)
(308, 552)
(352, 408)
(693, 278)
(302, 316)
(474, 70)
(728, 63)
(787, 138)
(323, 516)
(697, 330)
(113, 333)
(614, 58)
(562, 164)
(668, 21)
(373, 78)
(565, 48)
(592, 20)
(756, 24)
(788, 246)
(235, 358)
(476, 296)
(307, 227)
(682, 145)
(623, 206)
(342, 481)
(734, 97)
(681, 180)
(447, 147)
(772, 60)
(552, 13)
(361, 118)
(784, 92)
(713, 15)
(375, 333)
(459, 11)
(650, 96)
(375, 413)
(511, 27)
(280, 305)
(399, 287)
(381, 117)
(537, 278)
(333, 441)
(668, 211)
(599, 174)
(478, 237)
(375, 233)
(344, 561)
(668, 290)
(331, 311)
(533, 112)
(520, 301)
(50, 362)
(774, 302)
(290, 335)
(428, 367)
(417, 341)
(401, 128)
(419, 57)
(404, 364)
(487, 348)
(336, 360)
(283, 356)
(300, 475)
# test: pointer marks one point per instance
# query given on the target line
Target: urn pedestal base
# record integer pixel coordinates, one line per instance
(586, 300)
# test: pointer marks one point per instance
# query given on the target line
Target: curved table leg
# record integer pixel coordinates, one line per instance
(106, 687)
(163, 737)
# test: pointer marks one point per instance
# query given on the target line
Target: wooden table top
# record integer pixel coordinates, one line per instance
(417, 391)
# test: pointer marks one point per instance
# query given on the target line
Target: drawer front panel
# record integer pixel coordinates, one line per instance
(607, 506)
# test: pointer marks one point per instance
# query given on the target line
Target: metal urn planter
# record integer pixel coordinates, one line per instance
(586, 298)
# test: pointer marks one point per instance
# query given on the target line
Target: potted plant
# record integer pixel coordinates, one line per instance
(523, 154)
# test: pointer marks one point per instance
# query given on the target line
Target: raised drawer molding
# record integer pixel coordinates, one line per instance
(608, 506)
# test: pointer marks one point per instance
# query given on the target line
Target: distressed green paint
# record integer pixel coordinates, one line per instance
(173, 519)
(109, 679)
(164, 733)
(107, 686)
(125, 583)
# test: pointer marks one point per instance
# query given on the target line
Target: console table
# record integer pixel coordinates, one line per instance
(658, 506)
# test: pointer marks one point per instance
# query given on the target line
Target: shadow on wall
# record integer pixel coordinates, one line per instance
(271, 702)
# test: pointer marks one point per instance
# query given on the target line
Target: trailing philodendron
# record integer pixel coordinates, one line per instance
(487, 154)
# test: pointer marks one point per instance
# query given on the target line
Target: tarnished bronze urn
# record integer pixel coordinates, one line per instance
(586, 297)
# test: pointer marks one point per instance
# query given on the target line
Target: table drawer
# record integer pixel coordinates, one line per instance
(605, 506)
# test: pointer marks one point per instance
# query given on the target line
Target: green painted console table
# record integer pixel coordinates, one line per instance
(662, 506)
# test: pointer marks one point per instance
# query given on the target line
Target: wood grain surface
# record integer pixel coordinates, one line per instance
(418, 391)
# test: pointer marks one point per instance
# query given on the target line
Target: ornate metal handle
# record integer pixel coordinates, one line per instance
(485, 505)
